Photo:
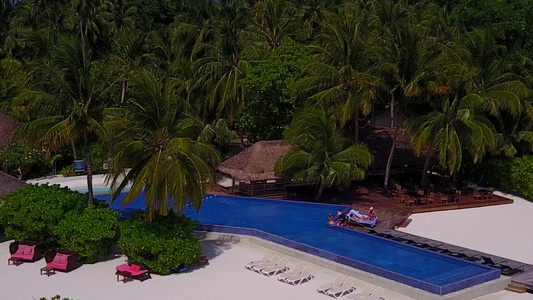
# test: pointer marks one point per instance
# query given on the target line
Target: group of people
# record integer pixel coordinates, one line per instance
(353, 215)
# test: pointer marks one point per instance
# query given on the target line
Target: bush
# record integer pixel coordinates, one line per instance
(33, 212)
(90, 232)
(522, 175)
(68, 171)
(31, 161)
(56, 297)
(165, 243)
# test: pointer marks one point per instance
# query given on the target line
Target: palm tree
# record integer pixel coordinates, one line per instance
(68, 103)
(341, 77)
(272, 22)
(452, 129)
(321, 155)
(157, 143)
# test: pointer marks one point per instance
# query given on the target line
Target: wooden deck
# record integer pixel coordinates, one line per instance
(392, 214)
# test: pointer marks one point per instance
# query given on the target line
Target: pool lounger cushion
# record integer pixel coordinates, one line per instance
(302, 277)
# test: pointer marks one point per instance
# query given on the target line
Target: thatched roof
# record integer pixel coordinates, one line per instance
(9, 183)
(257, 162)
(8, 127)
(379, 141)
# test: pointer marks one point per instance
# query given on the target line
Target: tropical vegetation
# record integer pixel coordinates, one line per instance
(161, 87)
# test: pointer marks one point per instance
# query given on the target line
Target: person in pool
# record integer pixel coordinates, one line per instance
(341, 219)
(330, 219)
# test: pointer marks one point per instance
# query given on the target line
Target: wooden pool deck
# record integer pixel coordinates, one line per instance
(392, 214)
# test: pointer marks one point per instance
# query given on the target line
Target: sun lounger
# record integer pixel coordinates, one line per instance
(367, 290)
(280, 267)
(296, 271)
(328, 286)
(265, 259)
(345, 288)
(505, 268)
(302, 277)
(376, 295)
(132, 271)
(272, 262)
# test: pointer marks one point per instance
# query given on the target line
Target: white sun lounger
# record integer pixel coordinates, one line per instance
(280, 267)
(345, 288)
(296, 271)
(367, 290)
(329, 286)
(302, 277)
(376, 295)
(265, 259)
(272, 262)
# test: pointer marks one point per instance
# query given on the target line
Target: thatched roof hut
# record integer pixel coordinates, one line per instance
(257, 162)
(8, 127)
(9, 183)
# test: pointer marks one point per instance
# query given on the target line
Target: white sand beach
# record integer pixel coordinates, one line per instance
(502, 230)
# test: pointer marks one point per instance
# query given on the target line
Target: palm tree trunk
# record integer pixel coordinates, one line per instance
(424, 180)
(391, 155)
(123, 94)
(319, 193)
(73, 150)
(392, 112)
(89, 164)
(356, 125)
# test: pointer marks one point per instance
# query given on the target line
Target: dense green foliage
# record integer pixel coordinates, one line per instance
(34, 211)
(270, 99)
(31, 161)
(90, 232)
(168, 242)
(521, 175)
(251, 66)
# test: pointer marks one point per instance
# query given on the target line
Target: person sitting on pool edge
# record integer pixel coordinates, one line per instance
(341, 219)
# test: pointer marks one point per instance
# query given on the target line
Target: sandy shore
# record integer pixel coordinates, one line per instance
(224, 278)
(502, 230)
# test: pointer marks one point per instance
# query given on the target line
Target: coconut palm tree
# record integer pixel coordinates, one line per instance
(272, 22)
(321, 155)
(341, 77)
(156, 142)
(68, 102)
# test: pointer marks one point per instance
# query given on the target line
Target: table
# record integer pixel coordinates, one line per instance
(125, 275)
(14, 261)
(47, 270)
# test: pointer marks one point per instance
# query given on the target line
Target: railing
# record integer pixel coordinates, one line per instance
(262, 188)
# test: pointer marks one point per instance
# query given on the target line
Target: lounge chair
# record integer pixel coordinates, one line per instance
(338, 281)
(367, 290)
(280, 267)
(264, 260)
(133, 271)
(302, 277)
(375, 295)
(26, 251)
(296, 271)
(345, 288)
(272, 262)
(503, 266)
(61, 259)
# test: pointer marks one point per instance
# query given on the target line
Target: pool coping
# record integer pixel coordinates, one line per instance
(491, 273)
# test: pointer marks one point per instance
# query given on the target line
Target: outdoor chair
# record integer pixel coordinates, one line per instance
(503, 266)
(26, 251)
(375, 295)
(264, 260)
(477, 195)
(328, 286)
(345, 288)
(441, 198)
(304, 276)
(280, 267)
(489, 194)
(61, 259)
(367, 290)
(132, 271)
(295, 271)
(272, 262)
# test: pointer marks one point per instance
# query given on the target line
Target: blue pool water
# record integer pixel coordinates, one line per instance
(306, 223)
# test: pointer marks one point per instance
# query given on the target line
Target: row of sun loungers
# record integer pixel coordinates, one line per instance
(346, 286)
(271, 265)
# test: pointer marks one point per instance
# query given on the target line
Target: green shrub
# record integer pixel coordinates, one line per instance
(56, 297)
(165, 243)
(31, 161)
(90, 232)
(68, 171)
(522, 175)
(33, 212)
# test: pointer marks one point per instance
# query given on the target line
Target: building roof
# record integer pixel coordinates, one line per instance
(8, 127)
(257, 162)
(9, 183)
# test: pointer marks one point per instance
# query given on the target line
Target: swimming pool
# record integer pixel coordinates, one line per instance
(302, 226)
